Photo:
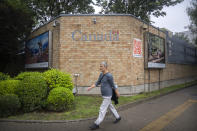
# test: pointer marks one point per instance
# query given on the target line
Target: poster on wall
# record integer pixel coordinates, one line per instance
(37, 52)
(155, 51)
(137, 48)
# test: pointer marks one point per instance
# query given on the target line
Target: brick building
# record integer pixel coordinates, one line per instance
(78, 43)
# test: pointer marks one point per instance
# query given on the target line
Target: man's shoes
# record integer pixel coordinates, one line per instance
(94, 126)
(117, 120)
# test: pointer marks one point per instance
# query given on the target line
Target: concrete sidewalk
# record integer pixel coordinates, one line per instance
(135, 116)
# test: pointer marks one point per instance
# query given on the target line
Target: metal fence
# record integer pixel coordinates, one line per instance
(180, 52)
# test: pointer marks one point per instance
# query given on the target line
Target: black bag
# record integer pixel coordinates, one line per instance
(114, 97)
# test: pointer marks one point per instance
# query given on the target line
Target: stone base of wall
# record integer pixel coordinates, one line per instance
(131, 90)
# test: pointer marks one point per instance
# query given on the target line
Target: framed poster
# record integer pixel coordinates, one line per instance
(37, 51)
(137, 48)
(155, 51)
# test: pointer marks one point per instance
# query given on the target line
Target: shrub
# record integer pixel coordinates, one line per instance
(4, 76)
(60, 99)
(8, 86)
(9, 104)
(23, 75)
(32, 91)
(56, 78)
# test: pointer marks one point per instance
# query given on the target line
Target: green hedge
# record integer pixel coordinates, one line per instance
(9, 104)
(56, 78)
(8, 86)
(23, 75)
(60, 99)
(32, 91)
(4, 76)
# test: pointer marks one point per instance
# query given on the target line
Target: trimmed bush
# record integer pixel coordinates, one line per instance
(23, 75)
(9, 104)
(8, 86)
(32, 91)
(56, 78)
(60, 99)
(4, 76)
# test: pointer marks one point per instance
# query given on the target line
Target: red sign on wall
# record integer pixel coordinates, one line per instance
(137, 48)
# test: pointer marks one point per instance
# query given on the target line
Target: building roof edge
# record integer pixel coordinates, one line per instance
(66, 15)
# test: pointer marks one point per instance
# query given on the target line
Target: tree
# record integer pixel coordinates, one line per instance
(139, 8)
(16, 22)
(182, 36)
(192, 12)
(48, 9)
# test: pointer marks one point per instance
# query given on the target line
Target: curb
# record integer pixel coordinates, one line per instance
(121, 108)
(47, 121)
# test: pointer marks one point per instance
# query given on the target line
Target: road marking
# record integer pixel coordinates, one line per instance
(194, 101)
(164, 120)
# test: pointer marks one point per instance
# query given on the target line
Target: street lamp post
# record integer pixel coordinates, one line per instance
(75, 92)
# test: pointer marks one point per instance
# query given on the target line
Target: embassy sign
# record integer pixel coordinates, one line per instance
(110, 36)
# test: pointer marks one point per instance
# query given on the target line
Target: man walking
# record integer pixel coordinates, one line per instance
(107, 83)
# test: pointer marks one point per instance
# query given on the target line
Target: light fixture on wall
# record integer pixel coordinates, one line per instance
(144, 27)
(55, 23)
(94, 20)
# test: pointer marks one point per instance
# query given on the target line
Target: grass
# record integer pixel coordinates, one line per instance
(128, 99)
(88, 106)
(84, 107)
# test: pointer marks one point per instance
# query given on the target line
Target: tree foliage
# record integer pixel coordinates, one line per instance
(192, 12)
(16, 21)
(48, 9)
(139, 8)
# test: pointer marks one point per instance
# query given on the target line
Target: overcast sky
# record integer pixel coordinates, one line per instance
(176, 18)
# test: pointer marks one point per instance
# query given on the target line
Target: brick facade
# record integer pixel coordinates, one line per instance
(79, 45)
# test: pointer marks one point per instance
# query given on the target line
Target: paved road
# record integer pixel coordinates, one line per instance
(173, 112)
